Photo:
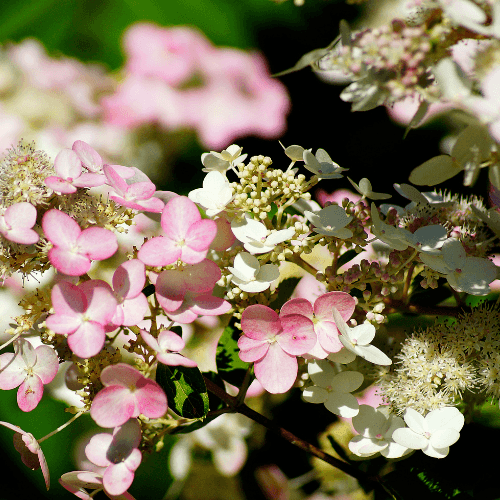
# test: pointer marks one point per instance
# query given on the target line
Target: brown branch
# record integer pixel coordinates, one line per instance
(232, 402)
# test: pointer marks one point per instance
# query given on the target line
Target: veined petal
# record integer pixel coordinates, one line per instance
(444, 438)
(88, 340)
(277, 370)
(97, 243)
(343, 302)
(113, 406)
(159, 251)
(47, 363)
(315, 394)
(30, 393)
(298, 334)
(297, 306)
(345, 405)
(68, 262)
(410, 439)
(60, 229)
(252, 350)
(260, 322)
(178, 216)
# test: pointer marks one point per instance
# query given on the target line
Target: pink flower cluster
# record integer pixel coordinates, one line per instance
(274, 341)
(186, 291)
(175, 77)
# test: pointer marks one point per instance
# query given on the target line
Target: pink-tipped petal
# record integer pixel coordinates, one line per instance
(151, 399)
(177, 216)
(117, 478)
(170, 289)
(47, 363)
(30, 393)
(344, 303)
(141, 190)
(59, 185)
(298, 334)
(134, 310)
(100, 299)
(90, 180)
(170, 341)
(129, 279)
(277, 371)
(21, 215)
(201, 277)
(120, 374)
(328, 336)
(297, 306)
(260, 322)
(88, 340)
(67, 165)
(60, 229)
(201, 234)
(159, 251)
(89, 157)
(97, 243)
(115, 181)
(252, 350)
(68, 299)
(113, 406)
(69, 262)
(12, 370)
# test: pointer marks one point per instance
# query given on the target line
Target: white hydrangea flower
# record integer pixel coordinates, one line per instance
(256, 238)
(464, 273)
(358, 340)
(332, 388)
(434, 433)
(394, 237)
(427, 238)
(471, 16)
(365, 189)
(330, 221)
(322, 165)
(376, 427)
(215, 194)
(249, 276)
(224, 160)
(224, 437)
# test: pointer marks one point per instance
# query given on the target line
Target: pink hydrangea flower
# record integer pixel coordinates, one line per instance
(82, 312)
(30, 369)
(74, 249)
(273, 344)
(225, 108)
(88, 156)
(128, 281)
(199, 304)
(167, 347)
(16, 223)
(172, 54)
(187, 235)
(127, 394)
(78, 482)
(137, 195)
(31, 453)
(119, 453)
(70, 176)
(173, 284)
(321, 316)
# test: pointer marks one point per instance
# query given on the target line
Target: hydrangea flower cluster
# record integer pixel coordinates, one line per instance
(223, 255)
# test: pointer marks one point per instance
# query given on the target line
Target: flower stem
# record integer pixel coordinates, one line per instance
(232, 402)
(61, 427)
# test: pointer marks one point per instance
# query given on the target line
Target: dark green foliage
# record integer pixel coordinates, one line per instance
(229, 365)
(185, 389)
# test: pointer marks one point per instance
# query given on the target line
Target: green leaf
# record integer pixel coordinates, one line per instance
(185, 389)
(273, 211)
(229, 365)
(215, 403)
(285, 290)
